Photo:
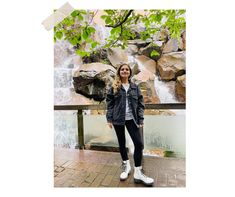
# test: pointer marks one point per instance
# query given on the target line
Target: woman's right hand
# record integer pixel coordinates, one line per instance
(110, 125)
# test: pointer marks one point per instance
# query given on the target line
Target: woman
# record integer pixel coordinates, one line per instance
(125, 107)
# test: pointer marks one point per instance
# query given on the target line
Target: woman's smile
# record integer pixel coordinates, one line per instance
(125, 72)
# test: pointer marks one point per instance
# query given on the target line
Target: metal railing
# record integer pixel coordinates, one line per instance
(80, 109)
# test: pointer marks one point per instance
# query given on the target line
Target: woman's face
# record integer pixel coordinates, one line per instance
(125, 71)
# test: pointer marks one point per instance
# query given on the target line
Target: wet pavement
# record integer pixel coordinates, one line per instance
(89, 168)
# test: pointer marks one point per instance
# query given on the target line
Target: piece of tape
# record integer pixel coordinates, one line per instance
(57, 16)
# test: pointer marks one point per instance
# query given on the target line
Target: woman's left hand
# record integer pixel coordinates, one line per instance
(141, 125)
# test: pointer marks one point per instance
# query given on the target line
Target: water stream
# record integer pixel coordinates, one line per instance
(163, 90)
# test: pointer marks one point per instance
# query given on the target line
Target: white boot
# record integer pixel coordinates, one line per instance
(139, 177)
(126, 169)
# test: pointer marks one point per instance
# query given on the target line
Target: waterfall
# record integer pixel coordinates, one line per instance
(64, 63)
(101, 33)
(163, 91)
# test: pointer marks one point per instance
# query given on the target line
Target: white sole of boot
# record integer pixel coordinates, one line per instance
(140, 181)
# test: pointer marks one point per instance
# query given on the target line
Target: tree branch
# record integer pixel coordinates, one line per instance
(93, 16)
(120, 23)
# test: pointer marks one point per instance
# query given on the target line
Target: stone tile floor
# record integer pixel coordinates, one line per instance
(89, 168)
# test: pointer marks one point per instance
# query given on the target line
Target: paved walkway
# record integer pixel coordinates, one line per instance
(89, 168)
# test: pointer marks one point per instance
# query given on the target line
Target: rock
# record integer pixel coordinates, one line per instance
(145, 79)
(171, 46)
(136, 34)
(79, 99)
(134, 68)
(180, 44)
(158, 43)
(147, 63)
(136, 29)
(183, 35)
(147, 51)
(131, 49)
(98, 112)
(139, 43)
(93, 80)
(117, 56)
(148, 92)
(77, 61)
(101, 140)
(145, 76)
(171, 65)
(162, 35)
(159, 112)
(180, 88)
(99, 56)
(155, 152)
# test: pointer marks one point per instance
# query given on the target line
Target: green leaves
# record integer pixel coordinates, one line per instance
(169, 153)
(68, 21)
(145, 35)
(116, 30)
(59, 35)
(110, 12)
(85, 34)
(82, 53)
(80, 17)
(180, 12)
(154, 53)
(123, 28)
(108, 20)
(94, 44)
(175, 25)
(91, 29)
(75, 13)
(113, 31)
(75, 40)
(103, 17)
(78, 14)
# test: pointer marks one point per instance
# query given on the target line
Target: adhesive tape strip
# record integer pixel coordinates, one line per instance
(57, 16)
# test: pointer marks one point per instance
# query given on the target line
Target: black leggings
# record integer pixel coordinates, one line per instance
(136, 138)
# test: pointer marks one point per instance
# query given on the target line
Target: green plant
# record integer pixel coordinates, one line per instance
(168, 153)
(78, 30)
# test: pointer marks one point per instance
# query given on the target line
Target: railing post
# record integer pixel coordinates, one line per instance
(81, 144)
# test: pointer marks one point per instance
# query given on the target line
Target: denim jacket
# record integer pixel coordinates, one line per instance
(116, 105)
